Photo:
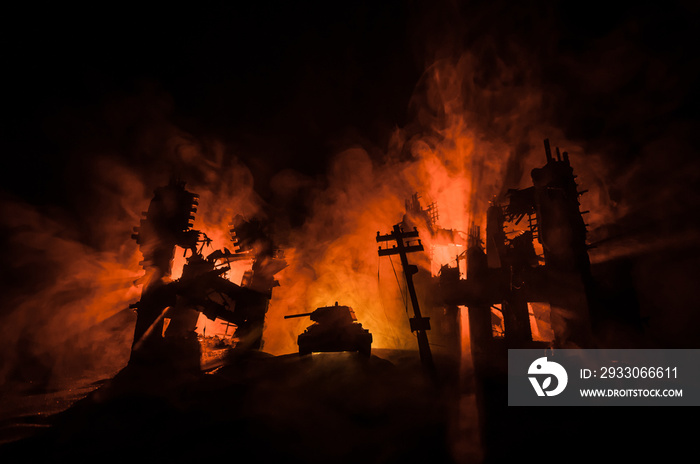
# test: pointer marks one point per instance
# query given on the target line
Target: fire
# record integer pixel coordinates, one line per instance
(332, 257)
(469, 142)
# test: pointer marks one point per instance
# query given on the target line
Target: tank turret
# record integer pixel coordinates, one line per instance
(335, 328)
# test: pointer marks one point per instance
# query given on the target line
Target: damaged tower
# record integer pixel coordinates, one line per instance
(168, 310)
(562, 232)
(505, 278)
(164, 226)
(512, 294)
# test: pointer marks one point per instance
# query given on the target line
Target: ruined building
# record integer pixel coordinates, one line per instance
(169, 309)
(505, 278)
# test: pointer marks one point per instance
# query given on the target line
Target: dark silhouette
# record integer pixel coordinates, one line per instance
(335, 328)
(202, 287)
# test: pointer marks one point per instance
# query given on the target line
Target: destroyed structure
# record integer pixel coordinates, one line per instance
(168, 310)
(511, 295)
(507, 273)
(515, 298)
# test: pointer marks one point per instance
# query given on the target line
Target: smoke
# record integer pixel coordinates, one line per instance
(494, 86)
(468, 134)
(71, 268)
(67, 315)
(470, 140)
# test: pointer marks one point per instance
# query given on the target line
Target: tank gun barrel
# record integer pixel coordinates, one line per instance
(289, 316)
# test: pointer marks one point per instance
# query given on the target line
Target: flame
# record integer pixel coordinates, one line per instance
(470, 140)
(447, 156)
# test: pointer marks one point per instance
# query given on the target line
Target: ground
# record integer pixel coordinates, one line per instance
(328, 407)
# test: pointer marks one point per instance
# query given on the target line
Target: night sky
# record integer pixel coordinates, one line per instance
(289, 85)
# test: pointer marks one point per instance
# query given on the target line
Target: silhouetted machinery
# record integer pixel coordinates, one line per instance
(335, 328)
(168, 310)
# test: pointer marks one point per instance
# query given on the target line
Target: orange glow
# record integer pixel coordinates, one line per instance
(442, 255)
(75, 319)
(540, 322)
(465, 340)
(333, 257)
(456, 153)
(498, 326)
(215, 328)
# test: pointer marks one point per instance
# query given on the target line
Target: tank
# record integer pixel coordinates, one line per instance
(335, 328)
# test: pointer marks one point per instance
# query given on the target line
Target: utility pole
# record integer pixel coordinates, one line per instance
(419, 324)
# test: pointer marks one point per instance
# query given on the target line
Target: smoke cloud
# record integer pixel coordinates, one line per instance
(464, 125)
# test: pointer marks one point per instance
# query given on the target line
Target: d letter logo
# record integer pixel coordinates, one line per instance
(542, 367)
